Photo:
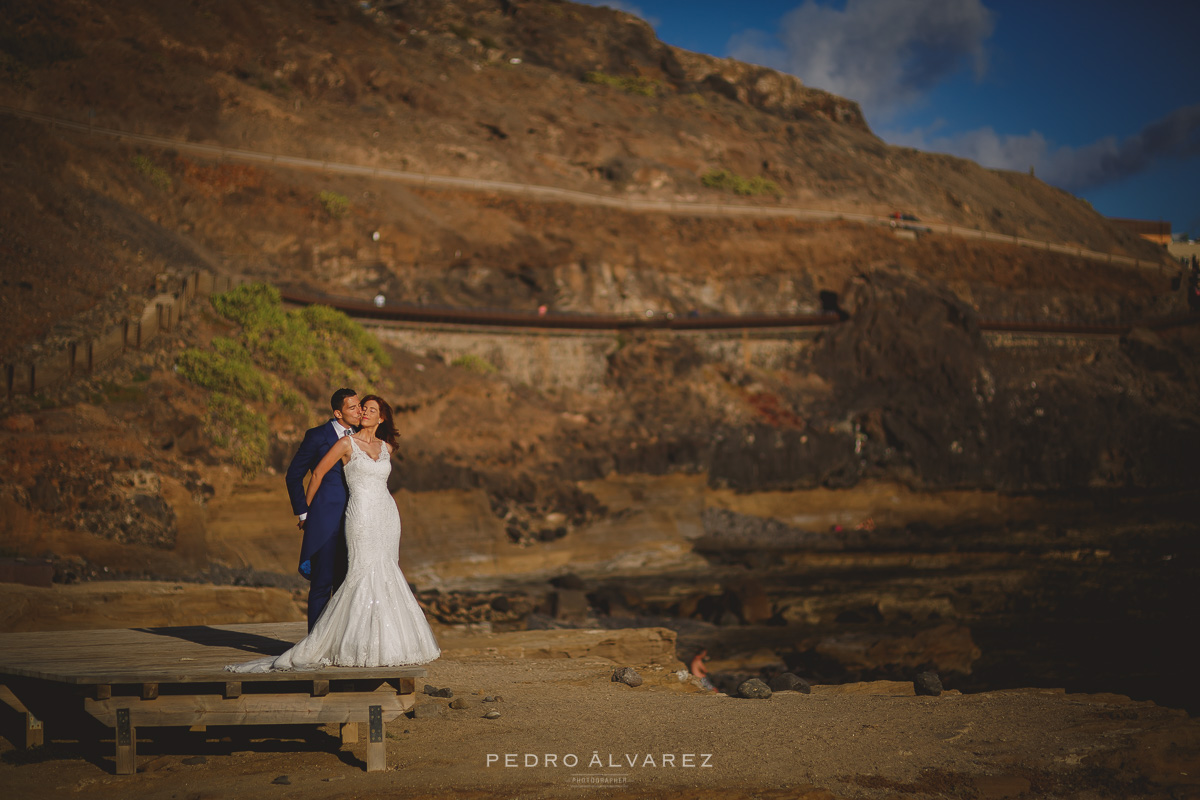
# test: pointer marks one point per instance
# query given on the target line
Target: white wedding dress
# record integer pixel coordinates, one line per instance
(372, 620)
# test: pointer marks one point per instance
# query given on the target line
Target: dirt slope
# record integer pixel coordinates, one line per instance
(520, 91)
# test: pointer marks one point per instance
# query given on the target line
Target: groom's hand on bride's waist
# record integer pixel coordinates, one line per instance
(300, 524)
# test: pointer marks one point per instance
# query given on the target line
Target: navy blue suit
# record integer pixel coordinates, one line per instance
(323, 552)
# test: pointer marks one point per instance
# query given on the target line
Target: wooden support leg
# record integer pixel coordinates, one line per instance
(34, 734)
(376, 753)
(126, 744)
(349, 731)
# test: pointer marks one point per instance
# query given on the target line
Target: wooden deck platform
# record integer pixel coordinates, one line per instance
(153, 677)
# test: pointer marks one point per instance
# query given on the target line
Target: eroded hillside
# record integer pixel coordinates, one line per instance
(538, 92)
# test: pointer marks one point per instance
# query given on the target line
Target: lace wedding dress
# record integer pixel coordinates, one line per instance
(372, 620)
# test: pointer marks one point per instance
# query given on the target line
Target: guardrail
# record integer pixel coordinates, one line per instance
(163, 312)
(403, 312)
(551, 193)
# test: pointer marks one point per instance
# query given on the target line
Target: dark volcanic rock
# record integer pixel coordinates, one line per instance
(908, 370)
(627, 676)
(1146, 348)
(923, 399)
(928, 683)
(787, 682)
(754, 689)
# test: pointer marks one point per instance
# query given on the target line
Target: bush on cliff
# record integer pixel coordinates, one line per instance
(727, 181)
(277, 356)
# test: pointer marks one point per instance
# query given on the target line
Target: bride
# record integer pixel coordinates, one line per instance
(373, 620)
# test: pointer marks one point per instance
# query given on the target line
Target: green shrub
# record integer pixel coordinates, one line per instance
(727, 181)
(231, 424)
(474, 363)
(336, 328)
(157, 175)
(291, 399)
(275, 351)
(227, 369)
(634, 84)
(248, 304)
(315, 342)
(335, 205)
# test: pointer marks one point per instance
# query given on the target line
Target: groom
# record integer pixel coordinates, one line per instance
(323, 553)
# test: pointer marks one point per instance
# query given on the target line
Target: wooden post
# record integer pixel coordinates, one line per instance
(320, 688)
(34, 734)
(376, 752)
(349, 732)
(149, 691)
(102, 691)
(233, 689)
(126, 743)
(138, 339)
(72, 349)
(91, 355)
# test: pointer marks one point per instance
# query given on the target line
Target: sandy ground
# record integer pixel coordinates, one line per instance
(663, 739)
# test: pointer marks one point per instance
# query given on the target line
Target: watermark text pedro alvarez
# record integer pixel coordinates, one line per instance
(614, 760)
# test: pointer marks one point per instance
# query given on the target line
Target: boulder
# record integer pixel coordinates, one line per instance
(754, 689)
(787, 682)
(627, 676)
(927, 684)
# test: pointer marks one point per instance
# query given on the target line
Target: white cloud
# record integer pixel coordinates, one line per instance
(882, 53)
(1107, 160)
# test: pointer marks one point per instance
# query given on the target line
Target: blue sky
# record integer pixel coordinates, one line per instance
(1101, 98)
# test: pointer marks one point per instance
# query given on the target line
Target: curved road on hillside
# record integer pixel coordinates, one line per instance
(553, 194)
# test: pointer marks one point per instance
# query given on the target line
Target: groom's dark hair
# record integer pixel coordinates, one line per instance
(339, 397)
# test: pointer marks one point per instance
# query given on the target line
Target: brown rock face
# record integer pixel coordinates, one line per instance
(776, 93)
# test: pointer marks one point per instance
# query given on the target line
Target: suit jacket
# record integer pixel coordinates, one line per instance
(327, 513)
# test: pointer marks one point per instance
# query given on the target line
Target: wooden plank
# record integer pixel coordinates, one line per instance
(190, 654)
(149, 691)
(349, 732)
(233, 689)
(250, 709)
(102, 691)
(320, 688)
